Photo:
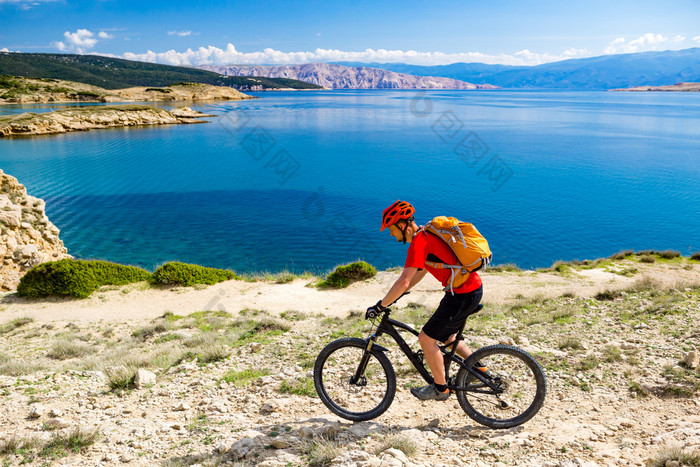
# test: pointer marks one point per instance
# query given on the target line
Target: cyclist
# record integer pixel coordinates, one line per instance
(454, 308)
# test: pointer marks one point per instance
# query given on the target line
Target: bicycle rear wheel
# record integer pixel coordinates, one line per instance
(513, 371)
(334, 377)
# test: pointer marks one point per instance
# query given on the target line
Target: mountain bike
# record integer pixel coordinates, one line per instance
(500, 386)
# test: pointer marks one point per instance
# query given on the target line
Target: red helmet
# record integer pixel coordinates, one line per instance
(397, 211)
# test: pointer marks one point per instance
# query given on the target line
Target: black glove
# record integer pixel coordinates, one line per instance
(374, 311)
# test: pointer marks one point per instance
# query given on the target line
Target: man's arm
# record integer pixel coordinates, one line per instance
(408, 278)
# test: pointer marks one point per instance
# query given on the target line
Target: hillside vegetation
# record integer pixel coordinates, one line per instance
(21, 90)
(115, 73)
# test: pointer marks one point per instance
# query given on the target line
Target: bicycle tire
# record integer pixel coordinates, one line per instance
(518, 372)
(334, 367)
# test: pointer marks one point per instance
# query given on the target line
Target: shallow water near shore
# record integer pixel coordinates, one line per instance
(298, 180)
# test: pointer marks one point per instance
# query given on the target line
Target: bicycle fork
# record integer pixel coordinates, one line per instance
(359, 379)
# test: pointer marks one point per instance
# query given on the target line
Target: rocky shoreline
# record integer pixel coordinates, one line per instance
(88, 118)
(28, 236)
(678, 87)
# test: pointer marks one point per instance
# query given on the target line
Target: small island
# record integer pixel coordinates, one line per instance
(92, 117)
(678, 87)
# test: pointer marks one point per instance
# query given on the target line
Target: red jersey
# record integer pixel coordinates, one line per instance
(425, 247)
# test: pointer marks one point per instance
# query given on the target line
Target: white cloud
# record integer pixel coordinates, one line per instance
(180, 33)
(647, 41)
(4, 49)
(80, 40)
(696, 38)
(212, 55)
(26, 4)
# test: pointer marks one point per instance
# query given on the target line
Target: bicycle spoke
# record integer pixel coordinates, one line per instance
(519, 382)
(360, 399)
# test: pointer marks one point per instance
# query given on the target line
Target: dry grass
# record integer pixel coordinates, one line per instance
(685, 457)
(399, 442)
(64, 349)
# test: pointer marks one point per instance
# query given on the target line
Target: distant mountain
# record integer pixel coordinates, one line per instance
(604, 72)
(343, 77)
(115, 73)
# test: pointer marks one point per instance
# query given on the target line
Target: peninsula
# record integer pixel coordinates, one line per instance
(92, 117)
(20, 90)
(678, 87)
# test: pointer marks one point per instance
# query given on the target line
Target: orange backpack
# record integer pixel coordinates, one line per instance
(470, 247)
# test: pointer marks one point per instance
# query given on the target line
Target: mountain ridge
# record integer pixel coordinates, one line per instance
(594, 73)
(117, 73)
(342, 77)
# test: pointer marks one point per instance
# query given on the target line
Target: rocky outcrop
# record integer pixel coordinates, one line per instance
(178, 92)
(20, 90)
(28, 237)
(87, 118)
(345, 77)
(678, 87)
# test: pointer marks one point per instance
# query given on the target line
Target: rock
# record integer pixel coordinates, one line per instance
(269, 407)
(219, 406)
(330, 431)
(12, 219)
(182, 406)
(55, 424)
(36, 411)
(55, 413)
(223, 447)
(29, 238)
(144, 378)
(434, 423)
(670, 463)
(398, 456)
(280, 443)
(354, 457)
(691, 360)
(506, 340)
(243, 448)
(282, 459)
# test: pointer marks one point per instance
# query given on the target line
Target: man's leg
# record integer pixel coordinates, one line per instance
(433, 356)
(462, 349)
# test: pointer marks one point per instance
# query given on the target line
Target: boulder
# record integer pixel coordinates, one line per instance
(691, 360)
(144, 378)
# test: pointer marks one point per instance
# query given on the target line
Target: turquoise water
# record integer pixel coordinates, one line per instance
(298, 180)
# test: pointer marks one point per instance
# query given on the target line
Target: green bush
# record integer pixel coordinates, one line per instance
(349, 273)
(184, 274)
(695, 256)
(669, 254)
(622, 254)
(76, 278)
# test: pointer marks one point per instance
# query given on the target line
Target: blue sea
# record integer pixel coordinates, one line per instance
(298, 180)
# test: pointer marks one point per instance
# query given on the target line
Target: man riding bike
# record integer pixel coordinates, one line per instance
(455, 306)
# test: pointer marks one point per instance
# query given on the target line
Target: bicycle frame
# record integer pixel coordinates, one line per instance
(391, 327)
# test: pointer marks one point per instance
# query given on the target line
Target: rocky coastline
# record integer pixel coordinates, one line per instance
(28, 236)
(678, 87)
(94, 117)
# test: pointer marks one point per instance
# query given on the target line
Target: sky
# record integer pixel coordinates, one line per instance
(290, 32)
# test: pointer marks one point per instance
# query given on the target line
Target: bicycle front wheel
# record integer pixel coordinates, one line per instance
(342, 391)
(519, 382)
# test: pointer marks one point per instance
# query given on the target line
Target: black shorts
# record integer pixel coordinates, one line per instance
(451, 314)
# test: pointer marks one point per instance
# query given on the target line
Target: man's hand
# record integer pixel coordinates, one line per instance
(374, 311)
